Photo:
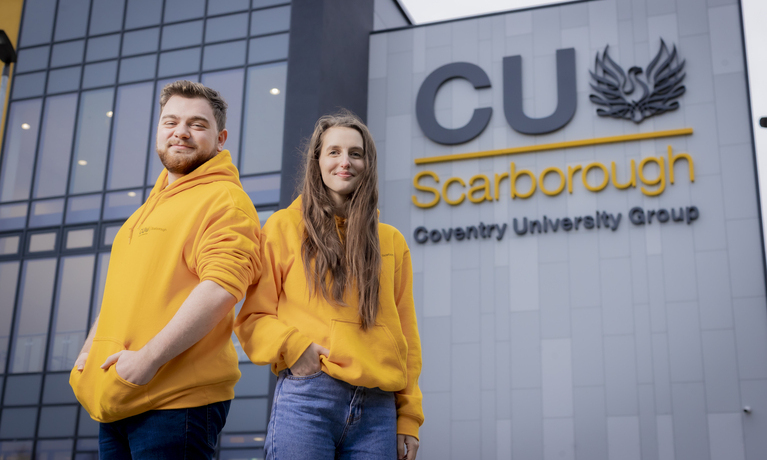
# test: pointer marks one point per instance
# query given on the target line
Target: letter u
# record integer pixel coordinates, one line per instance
(567, 95)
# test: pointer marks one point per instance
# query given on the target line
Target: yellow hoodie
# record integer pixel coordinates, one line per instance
(201, 227)
(280, 318)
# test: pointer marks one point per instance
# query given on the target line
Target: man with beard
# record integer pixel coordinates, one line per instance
(158, 368)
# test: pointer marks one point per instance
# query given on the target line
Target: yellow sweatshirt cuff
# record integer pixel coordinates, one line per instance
(407, 425)
(295, 345)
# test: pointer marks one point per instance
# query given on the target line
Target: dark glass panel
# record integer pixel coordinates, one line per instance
(143, 13)
(83, 209)
(47, 213)
(16, 450)
(264, 119)
(64, 80)
(181, 35)
(71, 311)
(79, 238)
(226, 6)
(106, 16)
(57, 421)
(263, 3)
(19, 151)
(100, 48)
(179, 10)
(88, 444)
(270, 20)
(226, 27)
(254, 380)
(18, 423)
(29, 59)
(127, 161)
(230, 84)
(13, 216)
(87, 426)
(247, 415)
(9, 245)
(54, 449)
(71, 19)
(38, 22)
(101, 272)
(262, 189)
(138, 68)
(67, 53)
(141, 41)
(9, 277)
(120, 205)
(100, 74)
(87, 456)
(264, 215)
(42, 242)
(34, 306)
(269, 48)
(28, 85)
(245, 454)
(242, 440)
(224, 55)
(55, 146)
(22, 390)
(109, 235)
(91, 141)
(179, 62)
(57, 390)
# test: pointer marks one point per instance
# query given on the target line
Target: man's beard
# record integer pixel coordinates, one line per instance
(183, 164)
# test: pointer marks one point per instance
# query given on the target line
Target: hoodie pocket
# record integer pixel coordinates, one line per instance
(104, 394)
(369, 358)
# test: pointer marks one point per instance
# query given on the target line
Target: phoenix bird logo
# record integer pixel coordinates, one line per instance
(660, 86)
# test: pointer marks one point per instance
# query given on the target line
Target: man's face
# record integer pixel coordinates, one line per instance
(187, 135)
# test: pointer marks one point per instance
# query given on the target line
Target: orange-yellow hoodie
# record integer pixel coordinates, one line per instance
(201, 227)
(280, 318)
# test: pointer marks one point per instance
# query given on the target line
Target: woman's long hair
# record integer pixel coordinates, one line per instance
(336, 261)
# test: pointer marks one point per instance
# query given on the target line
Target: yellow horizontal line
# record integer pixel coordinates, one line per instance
(556, 145)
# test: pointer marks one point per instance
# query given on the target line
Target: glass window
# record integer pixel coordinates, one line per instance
(57, 421)
(13, 216)
(32, 59)
(22, 390)
(264, 215)
(83, 209)
(33, 309)
(67, 53)
(178, 10)
(91, 141)
(226, 6)
(9, 276)
(106, 16)
(138, 68)
(226, 28)
(182, 35)
(18, 423)
(142, 13)
(179, 62)
(79, 238)
(87, 426)
(120, 205)
(55, 146)
(98, 297)
(28, 85)
(109, 235)
(230, 84)
(263, 3)
(270, 20)
(72, 19)
(9, 245)
(71, 311)
(54, 449)
(47, 213)
(242, 440)
(254, 380)
(100, 74)
(127, 160)
(264, 119)
(141, 41)
(241, 454)
(100, 48)
(42, 242)
(19, 152)
(57, 390)
(88, 443)
(262, 189)
(224, 55)
(247, 415)
(63, 80)
(269, 48)
(38, 22)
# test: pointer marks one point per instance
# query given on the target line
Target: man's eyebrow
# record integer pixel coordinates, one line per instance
(194, 118)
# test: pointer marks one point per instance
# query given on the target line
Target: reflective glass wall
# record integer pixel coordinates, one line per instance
(78, 158)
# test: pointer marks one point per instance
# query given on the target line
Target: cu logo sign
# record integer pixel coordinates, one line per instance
(512, 99)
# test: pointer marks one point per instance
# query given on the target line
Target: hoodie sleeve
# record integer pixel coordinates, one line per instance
(409, 400)
(263, 336)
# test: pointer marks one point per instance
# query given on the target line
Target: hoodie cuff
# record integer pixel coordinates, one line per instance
(295, 345)
(408, 425)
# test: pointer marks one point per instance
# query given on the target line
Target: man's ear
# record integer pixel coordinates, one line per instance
(222, 135)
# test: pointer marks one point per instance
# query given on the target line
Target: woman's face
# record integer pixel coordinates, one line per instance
(341, 161)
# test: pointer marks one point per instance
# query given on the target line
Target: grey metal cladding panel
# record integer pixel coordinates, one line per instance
(526, 424)
(501, 298)
(574, 15)
(558, 436)
(738, 181)
(721, 372)
(661, 373)
(590, 423)
(714, 293)
(436, 406)
(525, 350)
(703, 145)
(690, 421)
(684, 342)
(489, 426)
(754, 394)
(692, 18)
(487, 352)
(648, 426)
(466, 310)
(546, 32)
(710, 234)
(620, 375)
(726, 47)
(465, 439)
(746, 269)
(466, 400)
(584, 270)
(731, 108)
(616, 296)
(400, 99)
(399, 41)
(553, 302)
(751, 337)
(699, 82)
(502, 380)
(435, 343)
(658, 7)
(643, 340)
(587, 347)
(678, 262)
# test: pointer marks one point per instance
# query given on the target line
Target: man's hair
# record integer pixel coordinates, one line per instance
(192, 90)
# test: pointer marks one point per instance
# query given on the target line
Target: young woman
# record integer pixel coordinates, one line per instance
(333, 312)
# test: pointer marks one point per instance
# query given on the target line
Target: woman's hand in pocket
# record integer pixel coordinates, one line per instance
(309, 362)
(131, 366)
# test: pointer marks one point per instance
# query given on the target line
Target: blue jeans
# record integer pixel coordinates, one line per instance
(317, 417)
(164, 434)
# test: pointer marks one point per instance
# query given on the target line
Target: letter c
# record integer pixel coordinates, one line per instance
(421, 235)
